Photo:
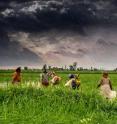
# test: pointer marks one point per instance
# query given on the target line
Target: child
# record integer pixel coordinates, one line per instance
(44, 79)
(16, 76)
(72, 82)
(106, 87)
(55, 79)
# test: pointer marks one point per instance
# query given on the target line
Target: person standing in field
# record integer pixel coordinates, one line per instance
(55, 79)
(44, 78)
(16, 79)
(106, 87)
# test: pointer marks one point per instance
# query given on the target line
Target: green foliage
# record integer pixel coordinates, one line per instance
(56, 105)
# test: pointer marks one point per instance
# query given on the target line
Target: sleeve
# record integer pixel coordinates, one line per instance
(68, 83)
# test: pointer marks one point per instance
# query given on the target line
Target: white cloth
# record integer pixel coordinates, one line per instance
(107, 92)
(69, 83)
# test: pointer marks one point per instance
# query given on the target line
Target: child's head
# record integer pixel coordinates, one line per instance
(105, 74)
(18, 69)
(71, 76)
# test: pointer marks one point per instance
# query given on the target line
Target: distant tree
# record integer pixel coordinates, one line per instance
(75, 65)
(44, 67)
(49, 67)
(25, 68)
(95, 69)
(71, 68)
(115, 69)
(91, 68)
(65, 67)
(81, 68)
(61, 68)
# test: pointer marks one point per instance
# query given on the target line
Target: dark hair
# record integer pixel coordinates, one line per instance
(105, 74)
(71, 76)
(18, 69)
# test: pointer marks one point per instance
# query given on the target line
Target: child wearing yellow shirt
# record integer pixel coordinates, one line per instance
(74, 81)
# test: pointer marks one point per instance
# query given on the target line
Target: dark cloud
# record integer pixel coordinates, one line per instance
(48, 14)
(56, 31)
(12, 53)
(4, 38)
(15, 55)
(82, 51)
(104, 43)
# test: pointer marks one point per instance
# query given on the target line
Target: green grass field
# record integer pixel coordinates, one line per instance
(56, 105)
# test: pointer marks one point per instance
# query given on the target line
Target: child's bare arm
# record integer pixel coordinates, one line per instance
(110, 84)
(100, 83)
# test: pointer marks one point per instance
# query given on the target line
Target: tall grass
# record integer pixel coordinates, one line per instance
(57, 105)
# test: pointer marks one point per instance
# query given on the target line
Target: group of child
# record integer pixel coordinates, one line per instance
(45, 76)
(51, 78)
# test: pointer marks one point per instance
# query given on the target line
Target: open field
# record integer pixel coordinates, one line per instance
(55, 105)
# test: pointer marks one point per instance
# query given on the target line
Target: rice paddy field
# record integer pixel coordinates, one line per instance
(56, 104)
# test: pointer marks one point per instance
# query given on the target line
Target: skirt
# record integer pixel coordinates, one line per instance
(107, 92)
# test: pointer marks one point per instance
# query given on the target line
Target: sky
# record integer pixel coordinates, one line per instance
(58, 33)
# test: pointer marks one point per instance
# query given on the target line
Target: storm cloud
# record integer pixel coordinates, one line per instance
(58, 32)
